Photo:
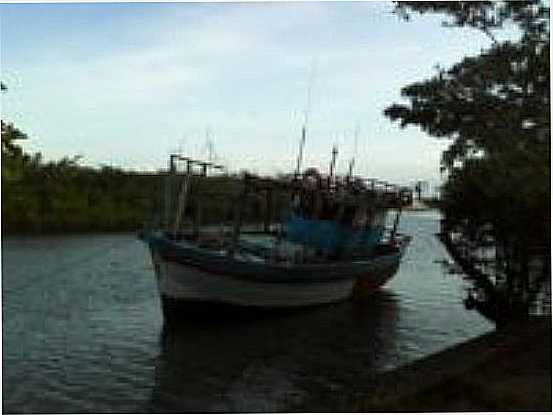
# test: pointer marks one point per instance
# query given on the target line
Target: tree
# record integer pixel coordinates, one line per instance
(495, 109)
(491, 102)
(10, 134)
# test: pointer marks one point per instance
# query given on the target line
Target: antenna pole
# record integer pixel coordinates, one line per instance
(352, 161)
(333, 161)
(300, 154)
(351, 164)
(209, 144)
(304, 127)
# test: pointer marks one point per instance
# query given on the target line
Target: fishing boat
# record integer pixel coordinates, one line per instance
(257, 242)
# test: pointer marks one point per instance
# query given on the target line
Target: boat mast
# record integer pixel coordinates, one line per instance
(352, 161)
(306, 118)
(209, 145)
(333, 160)
(168, 191)
(184, 191)
(302, 144)
(182, 199)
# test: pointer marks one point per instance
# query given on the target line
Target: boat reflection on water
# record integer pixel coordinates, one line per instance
(310, 360)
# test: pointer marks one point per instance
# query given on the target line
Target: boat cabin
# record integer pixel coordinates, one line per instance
(329, 216)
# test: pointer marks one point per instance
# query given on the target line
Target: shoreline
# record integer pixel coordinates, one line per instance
(38, 234)
(10, 229)
(508, 369)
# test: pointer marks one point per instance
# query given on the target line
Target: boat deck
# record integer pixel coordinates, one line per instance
(258, 247)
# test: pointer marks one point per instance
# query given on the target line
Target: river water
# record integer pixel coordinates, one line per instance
(83, 332)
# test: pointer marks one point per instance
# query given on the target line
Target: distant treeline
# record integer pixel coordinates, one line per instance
(58, 196)
(64, 196)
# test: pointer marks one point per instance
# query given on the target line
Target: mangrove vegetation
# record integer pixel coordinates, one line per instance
(495, 110)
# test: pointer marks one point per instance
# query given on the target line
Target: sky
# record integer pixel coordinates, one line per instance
(125, 84)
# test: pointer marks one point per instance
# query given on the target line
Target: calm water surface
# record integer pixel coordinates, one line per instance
(83, 332)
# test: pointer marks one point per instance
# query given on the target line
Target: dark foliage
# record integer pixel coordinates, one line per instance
(61, 196)
(496, 109)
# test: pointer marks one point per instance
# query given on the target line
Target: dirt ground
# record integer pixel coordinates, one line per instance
(507, 370)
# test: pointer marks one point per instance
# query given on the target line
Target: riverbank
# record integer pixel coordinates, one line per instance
(506, 370)
(69, 231)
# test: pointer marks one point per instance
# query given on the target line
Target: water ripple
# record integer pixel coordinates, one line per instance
(83, 332)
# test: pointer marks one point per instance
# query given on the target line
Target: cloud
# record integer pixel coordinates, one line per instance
(128, 87)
